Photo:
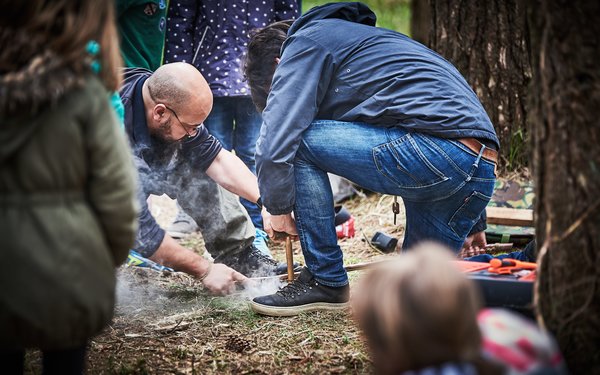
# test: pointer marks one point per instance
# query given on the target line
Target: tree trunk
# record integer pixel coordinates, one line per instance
(564, 112)
(486, 41)
(420, 21)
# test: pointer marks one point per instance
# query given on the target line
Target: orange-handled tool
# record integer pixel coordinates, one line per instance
(507, 266)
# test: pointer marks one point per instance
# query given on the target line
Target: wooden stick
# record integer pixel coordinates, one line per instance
(499, 246)
(289, 257)
(349, 268)
(364, 265)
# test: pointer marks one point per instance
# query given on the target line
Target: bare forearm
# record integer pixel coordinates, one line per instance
(231, 173)
(172, 254)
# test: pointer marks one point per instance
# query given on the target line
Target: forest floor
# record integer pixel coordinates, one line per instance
(165, 323)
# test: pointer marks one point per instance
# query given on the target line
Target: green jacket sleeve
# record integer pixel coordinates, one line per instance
(112, 185)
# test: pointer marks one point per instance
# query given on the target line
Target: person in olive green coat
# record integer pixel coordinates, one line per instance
(68, 212)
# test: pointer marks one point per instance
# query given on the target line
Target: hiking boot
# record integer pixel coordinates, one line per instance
(302, 295)
(252, 263)
(183, 225)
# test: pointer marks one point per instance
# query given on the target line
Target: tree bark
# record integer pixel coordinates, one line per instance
(487, 42)
(565, 112)
(420, 21)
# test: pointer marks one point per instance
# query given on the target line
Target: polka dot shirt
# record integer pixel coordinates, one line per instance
(213, 36)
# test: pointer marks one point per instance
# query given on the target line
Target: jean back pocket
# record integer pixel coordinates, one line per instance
(468, 213)
(406, 164)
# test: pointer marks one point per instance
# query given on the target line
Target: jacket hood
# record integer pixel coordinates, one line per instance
(32, 77)
(353, 12)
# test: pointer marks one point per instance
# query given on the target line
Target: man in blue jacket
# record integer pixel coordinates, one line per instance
(342, 96)
(175, 155)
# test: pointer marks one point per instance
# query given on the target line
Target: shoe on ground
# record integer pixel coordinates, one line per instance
(183, 225)
(252, 263)
(260, 242)
(341, 215)
(302, 295)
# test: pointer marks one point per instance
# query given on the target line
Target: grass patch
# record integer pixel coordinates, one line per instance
(391, 14)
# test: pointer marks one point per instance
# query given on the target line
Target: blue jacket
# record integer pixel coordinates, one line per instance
(213, 36)
(335, 65)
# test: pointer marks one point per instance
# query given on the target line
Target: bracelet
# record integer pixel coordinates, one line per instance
(201, 278)
(259, 203)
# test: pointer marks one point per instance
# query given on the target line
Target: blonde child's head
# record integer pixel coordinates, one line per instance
(418, 310)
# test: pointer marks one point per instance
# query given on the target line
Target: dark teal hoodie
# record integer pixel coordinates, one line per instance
(336, 65)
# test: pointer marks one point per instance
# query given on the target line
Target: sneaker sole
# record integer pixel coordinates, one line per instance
(295, 310)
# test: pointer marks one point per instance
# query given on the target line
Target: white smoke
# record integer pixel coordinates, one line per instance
(260, 287)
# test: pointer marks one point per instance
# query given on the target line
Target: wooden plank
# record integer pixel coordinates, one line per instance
(509, 216)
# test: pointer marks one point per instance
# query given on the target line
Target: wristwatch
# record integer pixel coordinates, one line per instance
(259, 203)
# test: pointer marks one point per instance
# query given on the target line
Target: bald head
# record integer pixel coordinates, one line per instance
(182, 87)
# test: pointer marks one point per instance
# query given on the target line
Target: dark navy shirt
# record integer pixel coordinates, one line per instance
(155, 158)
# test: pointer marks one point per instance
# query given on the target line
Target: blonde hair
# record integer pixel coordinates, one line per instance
(418, 310)
(60, 28)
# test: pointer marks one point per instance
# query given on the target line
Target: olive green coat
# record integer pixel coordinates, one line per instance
(67, 213)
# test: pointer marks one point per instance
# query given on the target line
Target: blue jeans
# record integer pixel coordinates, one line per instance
(235, 122)
(443, 184)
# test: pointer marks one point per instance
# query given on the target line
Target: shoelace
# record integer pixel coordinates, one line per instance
(261, 234)
(262, 257)
(293, 288)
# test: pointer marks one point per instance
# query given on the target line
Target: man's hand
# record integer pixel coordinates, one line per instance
(222, 280)
(280, 223)
(266, 216)
(475, 240)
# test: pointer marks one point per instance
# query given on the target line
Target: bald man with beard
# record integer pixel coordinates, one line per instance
(175, 155)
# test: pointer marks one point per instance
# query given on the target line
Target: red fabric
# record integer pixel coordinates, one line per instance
(346, 229)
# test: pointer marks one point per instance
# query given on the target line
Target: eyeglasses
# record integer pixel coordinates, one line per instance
(185, 126)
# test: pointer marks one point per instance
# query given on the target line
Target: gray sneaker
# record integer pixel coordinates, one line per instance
(183, 225)
(251, 262)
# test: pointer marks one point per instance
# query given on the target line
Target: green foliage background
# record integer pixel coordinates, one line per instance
(391, 14)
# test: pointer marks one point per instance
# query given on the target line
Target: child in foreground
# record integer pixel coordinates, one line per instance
(421, 315)
(68, 210)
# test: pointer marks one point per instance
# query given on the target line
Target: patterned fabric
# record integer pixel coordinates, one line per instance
(519, 344)
(511, 341)
(141, 26)
(213, 35)
(511, 194)
(445, 369)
